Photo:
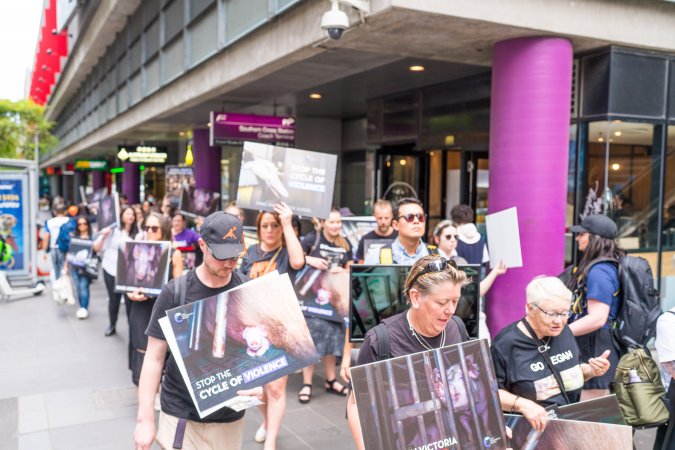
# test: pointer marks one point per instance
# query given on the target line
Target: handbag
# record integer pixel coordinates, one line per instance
(91, 268)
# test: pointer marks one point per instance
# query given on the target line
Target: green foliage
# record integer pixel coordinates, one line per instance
(18, 123)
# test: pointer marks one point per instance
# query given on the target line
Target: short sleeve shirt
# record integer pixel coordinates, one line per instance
(602, 284)
(256, 262)
(522, 370)
(326, 249)
(371, 236)
(175, 398)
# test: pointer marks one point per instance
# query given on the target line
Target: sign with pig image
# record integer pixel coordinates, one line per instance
(239, 339)
(143, 266)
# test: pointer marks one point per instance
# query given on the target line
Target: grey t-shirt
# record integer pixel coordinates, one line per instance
(402, 342)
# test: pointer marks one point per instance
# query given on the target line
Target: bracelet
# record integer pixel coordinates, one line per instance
(513, 407)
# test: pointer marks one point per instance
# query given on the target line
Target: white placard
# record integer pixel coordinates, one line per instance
(504, 238)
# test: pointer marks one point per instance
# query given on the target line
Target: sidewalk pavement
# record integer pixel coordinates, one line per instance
(63, 385)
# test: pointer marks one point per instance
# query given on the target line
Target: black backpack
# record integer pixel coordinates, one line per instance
(635, 323)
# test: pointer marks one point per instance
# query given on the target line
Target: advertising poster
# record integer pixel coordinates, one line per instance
(108, 211)
(13, 223)
(323, 293)
(437, 399)
(302, 179)
(198, 202)
(240, 339)
(143, 265)
(177, 179)
(376, 292)
(79, 252)
(570, 435)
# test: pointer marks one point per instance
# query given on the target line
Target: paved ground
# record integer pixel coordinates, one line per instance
(63, 385)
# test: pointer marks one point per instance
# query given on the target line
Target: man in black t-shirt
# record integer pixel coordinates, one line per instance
(384, 214)
(222, 244)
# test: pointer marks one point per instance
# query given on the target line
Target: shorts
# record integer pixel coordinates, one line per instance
(201, 436)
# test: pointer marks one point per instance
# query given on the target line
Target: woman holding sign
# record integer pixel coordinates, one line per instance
(434, 287)
(157, 228)
(278, 249)
(76, 259)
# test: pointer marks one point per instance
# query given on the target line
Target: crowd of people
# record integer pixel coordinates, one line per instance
(572, 318)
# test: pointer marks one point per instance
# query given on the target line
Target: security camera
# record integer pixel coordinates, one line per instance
(335, 21)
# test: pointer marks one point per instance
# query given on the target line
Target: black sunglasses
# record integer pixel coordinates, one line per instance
(410, 218)
(153, 229)
(437, 265)
(448, 236)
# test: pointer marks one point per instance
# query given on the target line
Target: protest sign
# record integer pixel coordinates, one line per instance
(355, 227)
(143, 265)
(108, 211)
(177, 179)
(376, 292)
(302, 179)
(79, 252)
(13, 223)
(240, 339)
(603, 410)
(198, 202)
(323, 293)
(437, 399)
(569, 435)
(504, 238)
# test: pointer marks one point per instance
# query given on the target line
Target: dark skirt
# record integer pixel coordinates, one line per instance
(139, 318)
(328, 337)
(593, 345)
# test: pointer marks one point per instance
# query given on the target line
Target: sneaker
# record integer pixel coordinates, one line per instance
(261, 434)
(82, 313)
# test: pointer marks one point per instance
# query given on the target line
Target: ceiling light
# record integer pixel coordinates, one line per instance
(416, 68)
(182, 133)
(616, 166)
(617, 133)
(601, 139)
(403, 162)
(315, 96)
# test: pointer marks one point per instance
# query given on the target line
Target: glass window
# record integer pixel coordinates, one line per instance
(172, 63)
(203, 38)
(668, 254)
(243, 15)
(173, 20)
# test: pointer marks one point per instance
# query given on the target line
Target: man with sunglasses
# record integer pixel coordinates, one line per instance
(222, 242)
(410, 223)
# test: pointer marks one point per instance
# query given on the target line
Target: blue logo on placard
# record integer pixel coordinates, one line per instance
(488, 441)
(180, 317)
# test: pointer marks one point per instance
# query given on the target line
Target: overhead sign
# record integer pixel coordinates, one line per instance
(147, 154)
(91, 164)
(234, 129)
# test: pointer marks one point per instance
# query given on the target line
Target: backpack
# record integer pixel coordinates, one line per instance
(635, 323)
(63, 239)
(639, 390)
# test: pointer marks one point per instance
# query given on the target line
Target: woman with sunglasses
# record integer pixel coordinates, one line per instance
(536, 355)
(75, 265)
(330, 252)
(278, 249)
(109, 241)
(433, 287)
(157, 228)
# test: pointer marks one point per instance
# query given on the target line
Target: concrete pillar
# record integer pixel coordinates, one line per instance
(206, 161)
(131, 182)
(98, 180)
(529, 133)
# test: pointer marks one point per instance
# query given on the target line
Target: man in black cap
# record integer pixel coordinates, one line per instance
(222, 243)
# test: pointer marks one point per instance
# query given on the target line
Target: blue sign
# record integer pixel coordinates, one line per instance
(13, 223)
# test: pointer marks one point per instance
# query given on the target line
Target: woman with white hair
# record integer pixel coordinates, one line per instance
(537, 354)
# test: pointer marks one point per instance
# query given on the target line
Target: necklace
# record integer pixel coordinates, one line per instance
(423, 342)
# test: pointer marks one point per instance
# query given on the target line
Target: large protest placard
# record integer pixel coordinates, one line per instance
(602, 410)
(144, 266)
(198, 202)
(240, 339)
(302, 179)
(177, 179)
(79, 252)
(13, 222)
(323, 293)
(437, 399)
(504, 238)
(355, 227)
(376, 292)
(108, 211)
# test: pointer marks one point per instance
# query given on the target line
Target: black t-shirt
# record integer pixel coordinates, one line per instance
(522, 370)
(175, 398)
(402, 342)
(255, 262)
(372, 236)
(330, 251)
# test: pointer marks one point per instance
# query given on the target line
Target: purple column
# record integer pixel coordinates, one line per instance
(529, 138)
(98, 180)
(131, 182)
(206, 161)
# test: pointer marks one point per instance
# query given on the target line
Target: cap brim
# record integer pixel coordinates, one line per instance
(578, 229)
(227, 251)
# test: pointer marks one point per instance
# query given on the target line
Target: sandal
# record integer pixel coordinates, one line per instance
(330, 388)
(305, 398)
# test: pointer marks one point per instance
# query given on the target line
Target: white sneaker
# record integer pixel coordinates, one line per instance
(261, 434)
(82, 313)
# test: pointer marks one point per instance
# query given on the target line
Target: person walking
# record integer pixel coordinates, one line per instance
(75, 265)
(51, 235)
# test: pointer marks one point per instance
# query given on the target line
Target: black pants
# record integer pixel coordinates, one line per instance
(114, 299)
(662, 431)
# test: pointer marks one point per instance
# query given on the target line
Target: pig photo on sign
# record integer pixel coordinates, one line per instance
(142, 265)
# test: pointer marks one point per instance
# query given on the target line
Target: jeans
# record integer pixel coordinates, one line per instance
(81, 285)
(58, 258)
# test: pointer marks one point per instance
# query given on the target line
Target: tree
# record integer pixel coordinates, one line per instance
(18, 123)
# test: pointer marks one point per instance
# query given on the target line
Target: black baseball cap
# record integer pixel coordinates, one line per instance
(597, 224)
(223, 233)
